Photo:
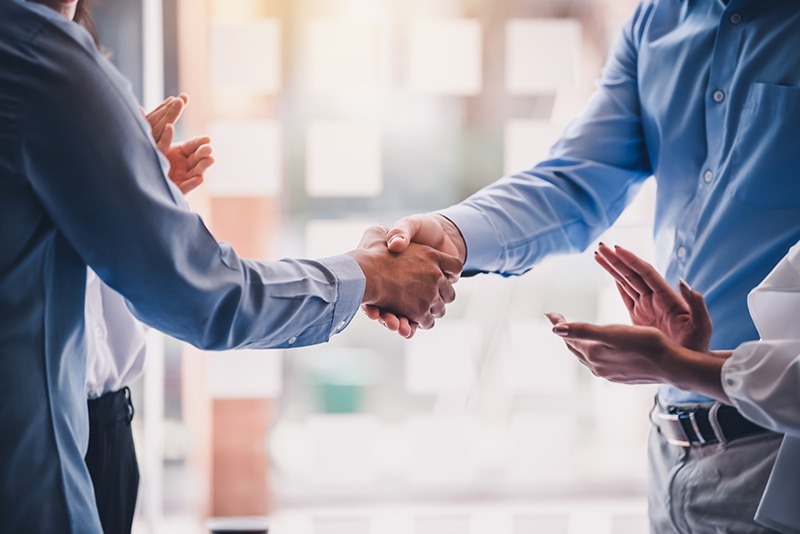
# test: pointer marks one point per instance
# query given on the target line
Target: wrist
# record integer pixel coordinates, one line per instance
(454, 235)
(700, 372)
(367, 265)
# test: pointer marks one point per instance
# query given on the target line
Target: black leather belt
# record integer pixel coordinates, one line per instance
(718, 423)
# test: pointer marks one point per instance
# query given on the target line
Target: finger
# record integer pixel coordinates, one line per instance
(158, 111)
(697, 305)
(555, 318)
(172, 110)
(187, 186)
(165, 141)
(586, 331)
(413, 329)
(647, 272)
(403, 232)
(373, 312)
(631, 276)
(191, 146)
(573, 348)
(405, 329)
(202, 152)
(202, 166)
(185, 98)
(373, 234)
(390, 321)
(618, 278)
(438, 309)
(427, 321)
(447, 292)
(450, 265)
(630, 304)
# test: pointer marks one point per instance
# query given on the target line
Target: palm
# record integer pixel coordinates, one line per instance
(662, 310)
(652, 302)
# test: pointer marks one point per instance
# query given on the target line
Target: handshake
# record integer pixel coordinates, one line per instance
(410, 271)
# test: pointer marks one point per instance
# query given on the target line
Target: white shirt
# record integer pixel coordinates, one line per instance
(762, 379)
(115, 340)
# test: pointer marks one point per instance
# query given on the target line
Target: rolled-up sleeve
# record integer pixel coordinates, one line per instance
(761, 378)
(563, 203)
(91, 162)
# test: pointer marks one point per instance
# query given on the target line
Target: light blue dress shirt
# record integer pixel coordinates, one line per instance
(81, 183)
(704, 96)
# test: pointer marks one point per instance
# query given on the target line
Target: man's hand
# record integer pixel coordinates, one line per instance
(188, 161)
(415, 285)
(642, 355)
(652, 302)
(429, 229)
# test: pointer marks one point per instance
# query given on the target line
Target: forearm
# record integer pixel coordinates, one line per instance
(698, 371)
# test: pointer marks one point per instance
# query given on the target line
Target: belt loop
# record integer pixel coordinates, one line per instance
(713, 420)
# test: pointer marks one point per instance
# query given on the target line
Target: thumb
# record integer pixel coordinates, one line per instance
(402, 234)
(697, 304)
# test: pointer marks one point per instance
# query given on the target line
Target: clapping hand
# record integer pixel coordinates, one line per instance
(668, 342)
(682, 317)
(189, 160)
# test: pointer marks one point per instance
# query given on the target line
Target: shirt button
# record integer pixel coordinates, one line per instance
(341, 325)
(708, 176)
(292, 340)
(736, 18)
(98, 331)
(681, 253)
(718, 96)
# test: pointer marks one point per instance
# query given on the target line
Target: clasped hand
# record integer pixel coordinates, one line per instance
(409, 237)
(410, 287)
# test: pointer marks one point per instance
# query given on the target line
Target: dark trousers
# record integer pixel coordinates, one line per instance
(111, 459)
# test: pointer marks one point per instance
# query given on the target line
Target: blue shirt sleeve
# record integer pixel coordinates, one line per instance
(562, 204)
(91, 162)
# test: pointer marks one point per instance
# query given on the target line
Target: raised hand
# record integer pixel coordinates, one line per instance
(188, 161)
(682, 317)
(415, 284)
(432, 230)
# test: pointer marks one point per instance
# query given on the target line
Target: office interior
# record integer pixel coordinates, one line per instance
(328, 116)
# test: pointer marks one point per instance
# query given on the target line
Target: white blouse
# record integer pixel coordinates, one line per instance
(115, 340)
(762, 379)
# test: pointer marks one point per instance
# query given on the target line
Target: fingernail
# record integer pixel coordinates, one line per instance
(561, 330)
(382, 322)
(394, 238)
(602, 244)
(685, 284)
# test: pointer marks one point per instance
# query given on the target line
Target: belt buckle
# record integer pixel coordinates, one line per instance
(673, 431)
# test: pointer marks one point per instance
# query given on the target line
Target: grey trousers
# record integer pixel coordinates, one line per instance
(709, 490)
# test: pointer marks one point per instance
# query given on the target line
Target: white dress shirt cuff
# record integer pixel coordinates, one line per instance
(761, 380)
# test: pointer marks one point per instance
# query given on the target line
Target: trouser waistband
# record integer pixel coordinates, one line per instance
(111, 408)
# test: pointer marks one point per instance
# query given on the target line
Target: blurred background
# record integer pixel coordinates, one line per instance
(327, 116)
